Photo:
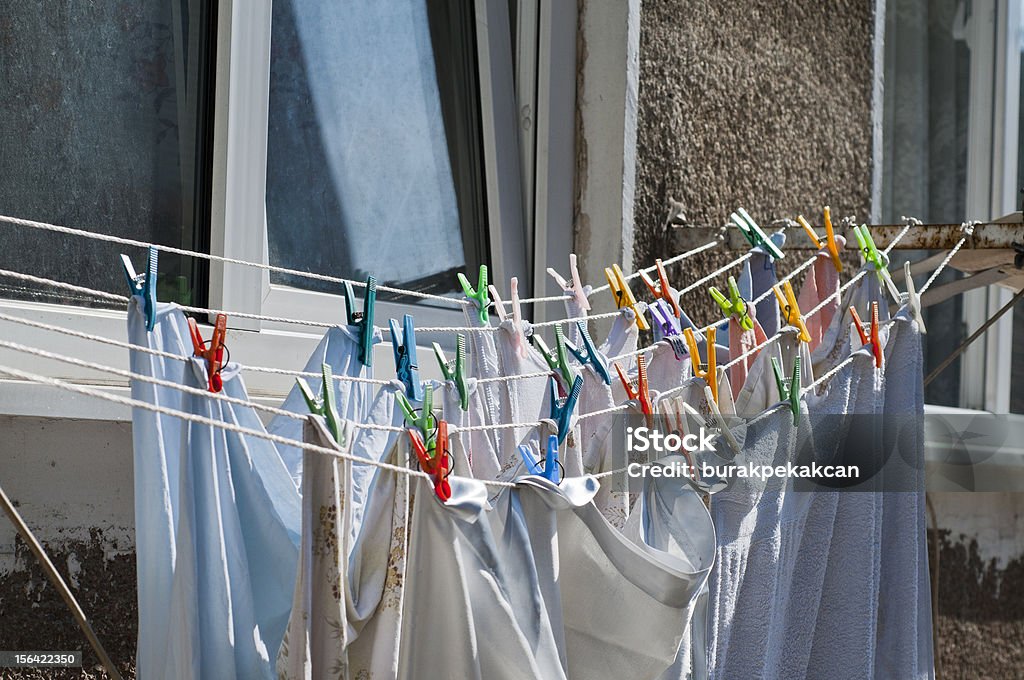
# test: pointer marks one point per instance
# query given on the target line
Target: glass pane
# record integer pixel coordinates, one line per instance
(98, 127)
(925, 156)
(359, 178)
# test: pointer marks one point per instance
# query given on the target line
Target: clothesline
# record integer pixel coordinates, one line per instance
(25, 375)
(401, 292)
(114, 297)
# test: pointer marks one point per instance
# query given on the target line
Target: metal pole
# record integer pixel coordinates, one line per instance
(55, 578)
(974, 336)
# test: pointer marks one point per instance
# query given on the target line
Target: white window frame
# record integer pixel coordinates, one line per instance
(993, 36)
(525, 231)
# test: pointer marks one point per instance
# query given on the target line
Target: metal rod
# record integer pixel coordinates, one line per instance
(974, 336)
(58, 582)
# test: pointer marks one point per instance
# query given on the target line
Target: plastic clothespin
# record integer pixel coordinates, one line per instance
(734, 304)
(575, 286)
(213, 352)
(425, 421)
(144, 284)
(829, 242)
(638, 390)
(789, 390)
(661, 290)
(479, 295)
(589, 354)
(363, 319)
(754, 234)
(519, 331)
(878, 259)
(791, 310)
(709, 369)
(557, 359)
(872, 338)
(325, 405)
(437, 466)
(455, 370)
(561, 409)
(730, 439)
(623, 295)
(404, 345)
(550, 471)
(913, 300)
(664, 321)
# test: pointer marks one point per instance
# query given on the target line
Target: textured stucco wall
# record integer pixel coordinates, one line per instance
(765, 105)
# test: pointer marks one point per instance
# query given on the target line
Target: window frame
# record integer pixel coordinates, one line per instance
(238, 224)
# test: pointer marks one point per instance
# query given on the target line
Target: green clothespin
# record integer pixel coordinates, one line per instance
(479, 295)
(557, 359)
(878, 259)
(425, 421)
(363, 320)
(790, 392)
(324, 405)
(455, 370)
(754, 234)
(734, 305)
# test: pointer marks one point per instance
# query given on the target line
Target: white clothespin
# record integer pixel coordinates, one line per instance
(913, 300)
(579, 292)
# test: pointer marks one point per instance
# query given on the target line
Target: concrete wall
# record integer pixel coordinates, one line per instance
(765, 105)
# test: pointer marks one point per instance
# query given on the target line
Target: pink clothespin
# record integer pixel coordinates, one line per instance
(575, 287)
(518, 329)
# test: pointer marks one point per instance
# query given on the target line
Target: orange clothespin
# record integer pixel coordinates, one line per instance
(437, 466)
(637, 390)
(623, 295)
(791, 310)
(873, 340)
(829, 242)
(212, 353)
(661, 290)
(706, 370)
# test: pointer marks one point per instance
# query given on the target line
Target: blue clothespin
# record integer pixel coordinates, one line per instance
(754, 234)
(589, 354)
(143, 284)
(550, 471)
(789, 390)
(557, 359)
(561, 409)
(324, 405)
(404, 345)
(479, 295)
(455, 370)
(364, 319)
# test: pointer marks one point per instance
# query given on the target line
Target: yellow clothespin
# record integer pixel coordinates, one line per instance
(790, 310)
(829, 243)
(708, 369)
(623, 295)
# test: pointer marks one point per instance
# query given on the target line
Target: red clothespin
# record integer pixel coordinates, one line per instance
(876, 345)
(637, 390)
(661, 290)
(214, 352)
(437, 466)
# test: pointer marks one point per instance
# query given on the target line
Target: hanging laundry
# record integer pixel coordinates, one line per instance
(346, 614)
(339, 349)
(227, 530)
(822, 283)
(761, 273)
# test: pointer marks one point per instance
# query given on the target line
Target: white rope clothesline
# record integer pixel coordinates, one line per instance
(24, 375)
(461, 302)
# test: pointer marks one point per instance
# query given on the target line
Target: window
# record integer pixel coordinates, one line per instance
(364, 144)
(951, 124)
(104, 125)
